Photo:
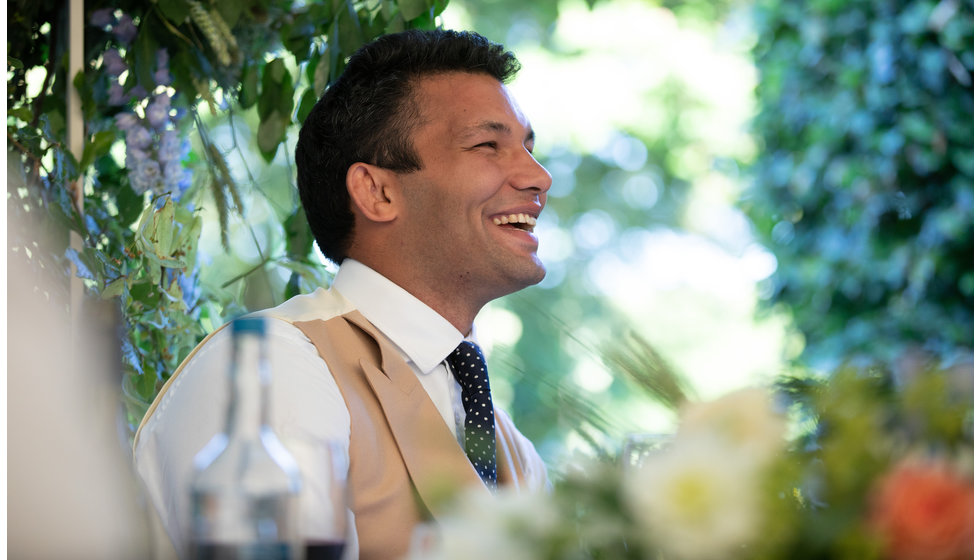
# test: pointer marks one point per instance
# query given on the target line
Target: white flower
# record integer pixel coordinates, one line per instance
(744, 418)
(507, 525)
(696, 500)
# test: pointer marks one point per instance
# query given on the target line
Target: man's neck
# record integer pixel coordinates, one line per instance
(449, 298)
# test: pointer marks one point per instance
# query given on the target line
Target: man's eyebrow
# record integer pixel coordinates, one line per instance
(493, 126)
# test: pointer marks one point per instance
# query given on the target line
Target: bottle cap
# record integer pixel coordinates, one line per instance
(248, 324)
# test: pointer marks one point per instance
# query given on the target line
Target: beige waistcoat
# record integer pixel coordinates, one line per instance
(404, 460)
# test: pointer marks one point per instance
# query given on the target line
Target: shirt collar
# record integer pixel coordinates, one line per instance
(424, 336)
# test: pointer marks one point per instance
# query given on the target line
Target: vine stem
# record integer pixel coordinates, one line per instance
(38, 164)
(255, 268)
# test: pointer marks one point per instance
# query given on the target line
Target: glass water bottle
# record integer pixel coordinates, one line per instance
(245, 490)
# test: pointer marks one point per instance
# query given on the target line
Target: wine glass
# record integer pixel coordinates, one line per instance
(324, 505)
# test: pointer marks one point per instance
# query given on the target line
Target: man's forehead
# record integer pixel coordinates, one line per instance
(471, 103)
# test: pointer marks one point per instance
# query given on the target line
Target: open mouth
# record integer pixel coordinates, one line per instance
(523, 222)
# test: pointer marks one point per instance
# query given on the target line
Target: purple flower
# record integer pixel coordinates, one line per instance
(114, 63)
(139, 92)
(126, 121)
(116, 94)
(174, 177)
(170, 148)
(162, 75)
(145, 176)
(138, 137)
(134, 157)
(101, 18)
(158, 112)
(125, 30)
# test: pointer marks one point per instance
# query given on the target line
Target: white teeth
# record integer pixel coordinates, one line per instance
(515, 219)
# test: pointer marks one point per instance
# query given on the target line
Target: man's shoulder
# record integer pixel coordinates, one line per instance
(320, 304)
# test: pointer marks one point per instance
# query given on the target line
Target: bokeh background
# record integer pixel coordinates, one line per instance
(741, 189)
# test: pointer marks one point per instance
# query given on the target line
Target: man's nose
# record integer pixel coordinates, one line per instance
(531, 174)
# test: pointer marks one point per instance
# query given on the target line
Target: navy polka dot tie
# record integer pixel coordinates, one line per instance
(470, 370)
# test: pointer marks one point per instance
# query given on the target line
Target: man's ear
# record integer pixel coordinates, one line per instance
(371, 188)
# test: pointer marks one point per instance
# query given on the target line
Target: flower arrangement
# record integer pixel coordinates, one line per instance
(859, 464)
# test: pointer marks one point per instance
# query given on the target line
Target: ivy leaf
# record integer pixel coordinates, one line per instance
(272, 78)
(292, 286)
(348, 29)
(272, 129)
(322, 74)
(305, 105)
(23, 113)
(176, 11)
(115, 288)
(98, 146)
(230, 12)
(286, 91)
(144, 294)
(190, 232)
(299, 238)
(82, 269)
(163, 230)
(441, 5)
(145, 56)
(250, 87)
(412, 9)
(85, 95)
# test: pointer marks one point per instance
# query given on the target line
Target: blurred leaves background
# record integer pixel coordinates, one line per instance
(741, 189)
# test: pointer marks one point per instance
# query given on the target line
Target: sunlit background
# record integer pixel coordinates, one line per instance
(651, 235)
(670, 220)
(642, 119)
(742, 190)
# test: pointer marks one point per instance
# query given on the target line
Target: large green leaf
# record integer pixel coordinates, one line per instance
(306, 104)
(250, 86)
(272, 131)
(97, 146)
(177, 11)
(412, 9)
(272, 79)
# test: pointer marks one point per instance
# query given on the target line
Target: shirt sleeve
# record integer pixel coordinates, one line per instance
(307, 411)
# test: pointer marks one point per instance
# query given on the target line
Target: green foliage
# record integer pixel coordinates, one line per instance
(861, 424)
(268, 59)
(871, 480)
(864, 186)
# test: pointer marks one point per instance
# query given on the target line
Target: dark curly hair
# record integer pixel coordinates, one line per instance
(368, 114)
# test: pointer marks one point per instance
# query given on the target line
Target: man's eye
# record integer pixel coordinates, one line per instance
(491, 144)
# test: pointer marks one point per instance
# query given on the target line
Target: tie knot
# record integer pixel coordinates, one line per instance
(469, 367)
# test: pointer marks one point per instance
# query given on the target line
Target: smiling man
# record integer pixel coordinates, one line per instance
(416, 173)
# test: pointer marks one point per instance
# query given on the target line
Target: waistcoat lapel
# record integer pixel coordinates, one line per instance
(434, 460)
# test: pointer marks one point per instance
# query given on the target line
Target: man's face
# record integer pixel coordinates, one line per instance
(470, 210)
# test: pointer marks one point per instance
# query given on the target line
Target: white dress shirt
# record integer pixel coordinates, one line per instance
(308, 411)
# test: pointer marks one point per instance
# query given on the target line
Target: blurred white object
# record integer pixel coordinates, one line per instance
(71, 492)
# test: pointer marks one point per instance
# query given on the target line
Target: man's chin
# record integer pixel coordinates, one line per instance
(538, 273)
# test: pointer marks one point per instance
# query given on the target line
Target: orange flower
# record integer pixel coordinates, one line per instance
(924, 511)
